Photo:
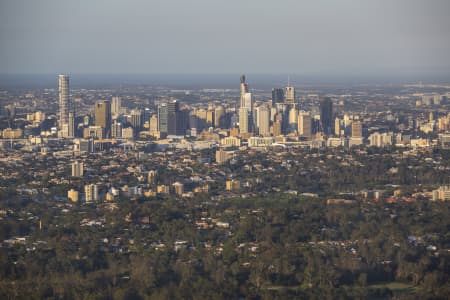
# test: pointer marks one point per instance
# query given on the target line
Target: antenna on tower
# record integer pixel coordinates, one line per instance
(289, 80)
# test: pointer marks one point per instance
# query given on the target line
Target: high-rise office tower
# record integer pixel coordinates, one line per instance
(103, 115)
(248, 101)
(293, 116)
(304, 124)
(337, 127)
(163, 118)
(347, 121)
(77, 169)
(243, 120)
(263, 122)
(357, 129)
(137, 118)
(153, 124)
(116, 129)
(64, 99)
(116, 106)
(146, 114)
(71, 125)
(173, 110)
(210, 117)
(326, 115)
(289, 95)
(219, 115)
(277, 96)
(234, 120)
(278, 124)
(243, 89)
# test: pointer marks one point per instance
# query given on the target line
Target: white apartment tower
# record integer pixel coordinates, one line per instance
(64, 100)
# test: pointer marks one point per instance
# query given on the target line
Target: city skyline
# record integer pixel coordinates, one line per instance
(325, 38)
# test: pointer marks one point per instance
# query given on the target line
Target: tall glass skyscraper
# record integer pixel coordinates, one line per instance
(277, 96)
(326, 115)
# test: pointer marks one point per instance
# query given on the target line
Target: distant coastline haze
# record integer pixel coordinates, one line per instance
(321, 40)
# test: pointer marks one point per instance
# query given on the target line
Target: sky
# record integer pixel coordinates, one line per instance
(317, 37)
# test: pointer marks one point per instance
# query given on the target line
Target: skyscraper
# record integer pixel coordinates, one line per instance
(103, 115)
(243, 120)
(173, 109)
(163, 118)
(243, 89)
(116, 129)
(277, 96)
(290, 95)
(64, 99)
(304, 124)
(263, 122)
(337, 127)
(293, 117)
(71, 125)
(219, 114)
(326, 115)
(153, 124)
(137, 118)
(357, 129)
(116, 106)
(248, 101)
(210, 117)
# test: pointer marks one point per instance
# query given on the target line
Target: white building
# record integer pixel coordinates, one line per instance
(260, 141)
(64, 99)
(442, 193)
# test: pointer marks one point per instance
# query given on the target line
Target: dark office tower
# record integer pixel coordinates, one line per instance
(277, 96)
(326, 115)
(173, 108)
(147, 115)
(182, 122)
(163, 118)
(103, 115)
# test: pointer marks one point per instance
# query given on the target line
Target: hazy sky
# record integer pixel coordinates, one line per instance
(341, 37)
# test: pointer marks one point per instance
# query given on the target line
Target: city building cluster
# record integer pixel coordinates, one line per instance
(226, 124)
